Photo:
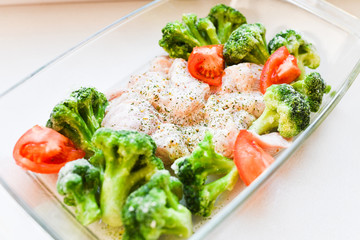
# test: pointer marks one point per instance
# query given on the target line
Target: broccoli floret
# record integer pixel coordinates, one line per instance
(79, 182)
(246, 44)
(226, 19)
(191, 21)
(313, 87)
(194, 170)
(303, 51)
(79, 116)
(154, 209)
(130, 161)
(176, 187)
(179, 38)
(286, 111)
(207, 29)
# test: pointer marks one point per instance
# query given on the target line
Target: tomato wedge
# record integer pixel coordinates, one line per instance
(207, 64)
(250, 159)
(281, 67)
(44, 150)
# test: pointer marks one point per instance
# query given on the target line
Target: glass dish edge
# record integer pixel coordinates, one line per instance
(311, 6)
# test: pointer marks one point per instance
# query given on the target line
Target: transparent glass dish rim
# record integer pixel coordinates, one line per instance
(321, 9)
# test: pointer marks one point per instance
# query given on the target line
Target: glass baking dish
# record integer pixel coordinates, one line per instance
(109, 57)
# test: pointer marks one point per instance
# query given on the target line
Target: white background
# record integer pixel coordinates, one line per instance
(31, 35)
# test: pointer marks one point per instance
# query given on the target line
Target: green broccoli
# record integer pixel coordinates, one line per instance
(226, 19)
(286, 111)
(179, 38)
(201, 29)
(130, 161)
(154, 209)
(193, 171)
(79, 116)
(208, 30)
(246, 44)
(303, 51)
(313, 87)
(79, 181)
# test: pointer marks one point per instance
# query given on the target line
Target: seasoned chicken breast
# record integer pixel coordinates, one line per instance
(131, 112)
(170, 143)
(252, 103)
(161, 64)
(243, 77)
(177, 110)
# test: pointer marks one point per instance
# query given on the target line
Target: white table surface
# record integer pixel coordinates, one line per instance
(31, 35)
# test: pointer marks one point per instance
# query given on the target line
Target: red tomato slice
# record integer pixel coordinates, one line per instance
(207, 64)
(44, 150)
(281, 67)
(250, 159)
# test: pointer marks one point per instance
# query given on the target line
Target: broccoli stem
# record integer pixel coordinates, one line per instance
(117, 185)
(77, 130)
(214, 189)
(190, 22)
(224, 29)
(268, 121)
(171, 197)
(208, 28)
(257, 55)
(176, 217)
(197, 35)
(114, 189)
(213, 36)
(87, 209)
(88, 115)
(301, 67)
(98, 161)
(299, 86)
(218, 186)
(191, 40)
(177, 220)
(218, 165)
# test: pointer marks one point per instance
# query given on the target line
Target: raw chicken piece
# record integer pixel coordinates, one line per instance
(220, 119)
(179, 96)
(185, 95)
(176, 109)
(225, 127)
(161, 64)
(272, 143)
(224, 139)
(193, 135)
(131, 112)
(243, 77)
(243, 119)
(253, 103)
(151, 85)
(226, 115)
(114, 93)
(170, 143)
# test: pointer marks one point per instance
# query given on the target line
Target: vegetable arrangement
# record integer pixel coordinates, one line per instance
(115, 175)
